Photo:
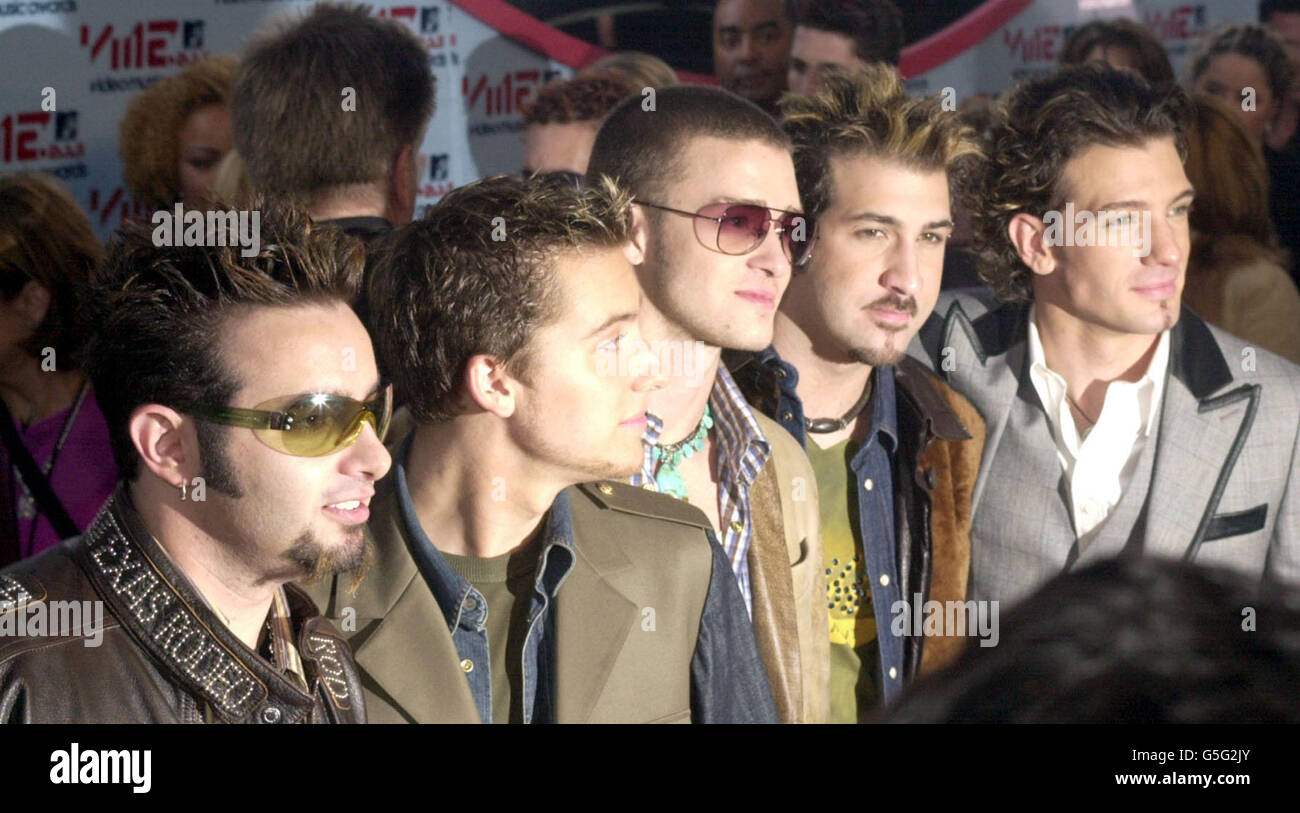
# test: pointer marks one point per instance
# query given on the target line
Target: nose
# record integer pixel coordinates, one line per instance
(770, 257)
(746, 52)
(367, 458)
(1166, 242)
(903, 269)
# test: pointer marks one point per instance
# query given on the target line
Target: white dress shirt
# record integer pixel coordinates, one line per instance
(1099, 466)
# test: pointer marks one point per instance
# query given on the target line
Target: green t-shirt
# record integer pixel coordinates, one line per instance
(506, 582)
(855, 657)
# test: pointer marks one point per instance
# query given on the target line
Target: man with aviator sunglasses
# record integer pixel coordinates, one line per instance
(717, 221)
(246, 416)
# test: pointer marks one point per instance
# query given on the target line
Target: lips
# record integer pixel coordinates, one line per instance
(352, 511)
(1158, 290)
(764, 299)
(891, 316)
(636, 422)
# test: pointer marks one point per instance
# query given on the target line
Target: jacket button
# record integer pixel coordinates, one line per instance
(605, 489)
(467, 666)
(884, 579)
(780, 373)
(787, 415)
(867, 484)
(893, 673)
(270, 714)
(930, 478)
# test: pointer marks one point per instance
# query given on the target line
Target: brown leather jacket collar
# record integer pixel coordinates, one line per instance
(166, 616)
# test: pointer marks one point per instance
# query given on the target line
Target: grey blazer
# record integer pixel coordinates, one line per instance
(1217, 486)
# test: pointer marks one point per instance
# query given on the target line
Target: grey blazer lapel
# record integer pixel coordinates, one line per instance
(1205, 421)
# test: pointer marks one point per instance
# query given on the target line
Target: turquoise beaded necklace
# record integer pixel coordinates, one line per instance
(669, 457)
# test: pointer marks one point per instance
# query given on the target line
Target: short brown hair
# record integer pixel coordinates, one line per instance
(866, 112)
(1038, 128)
(444, 288)
(875, 26)
(149, 134)
(46, 238)
(1150, 56)
(1255, 42)
(584, 99)
(155, 310)
(641, 149)
(296, 138)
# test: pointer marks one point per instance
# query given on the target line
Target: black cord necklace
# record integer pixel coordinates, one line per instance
(823, 426)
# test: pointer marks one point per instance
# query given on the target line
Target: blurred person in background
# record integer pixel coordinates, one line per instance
(1235, 275)
(1246, 66)
(356, 165)
(640, 70)
(842, 35)
(560, 125)
(330, 109)
(751, 48)
(1282, 17)
(175, 133)
(48, 413)
(1120, 43)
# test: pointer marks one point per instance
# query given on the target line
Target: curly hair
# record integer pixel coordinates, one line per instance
(1252, 41)
(46, 238)
(867, 112)
(1150, 56)
(155, 310)
(474, 276)
(1041, 125)
(584, 99)
(149, 135)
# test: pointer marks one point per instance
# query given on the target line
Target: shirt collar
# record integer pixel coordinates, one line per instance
(884, 403)
(745, 449)
(449, 588)
(1047, 381)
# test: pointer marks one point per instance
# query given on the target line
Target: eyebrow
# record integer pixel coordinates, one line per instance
(893, 221)
(1138, 204)
(613, 320)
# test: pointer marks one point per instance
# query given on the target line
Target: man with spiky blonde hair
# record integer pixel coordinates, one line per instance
(504, 591)
(894, 450)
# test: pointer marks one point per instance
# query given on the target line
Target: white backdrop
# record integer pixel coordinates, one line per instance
(488, 58)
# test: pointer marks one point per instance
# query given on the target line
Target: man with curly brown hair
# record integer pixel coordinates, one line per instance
(1117, 421)
(561, 124)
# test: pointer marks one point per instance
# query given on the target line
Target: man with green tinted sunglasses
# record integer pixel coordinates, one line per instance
(246, 416)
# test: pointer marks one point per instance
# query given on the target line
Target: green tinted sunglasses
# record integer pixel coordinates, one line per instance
(310, 425)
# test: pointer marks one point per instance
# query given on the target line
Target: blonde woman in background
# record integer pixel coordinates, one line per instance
(175, 133)
(1236, 277)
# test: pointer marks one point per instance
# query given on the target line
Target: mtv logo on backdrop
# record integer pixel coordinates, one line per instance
(65, 125)
(429, 20)
(192, 35)
(439, 166)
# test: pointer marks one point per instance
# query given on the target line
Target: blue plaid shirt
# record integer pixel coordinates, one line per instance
(740, 450)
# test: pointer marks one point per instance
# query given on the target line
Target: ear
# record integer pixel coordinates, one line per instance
(33, 302)
(640, 237)
(402, 185)
(167, 446)
(1027, 235)
(489, 385)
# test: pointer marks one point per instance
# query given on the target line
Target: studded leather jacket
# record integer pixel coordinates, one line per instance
(153, 651)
